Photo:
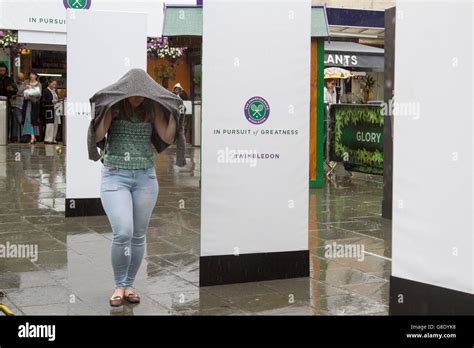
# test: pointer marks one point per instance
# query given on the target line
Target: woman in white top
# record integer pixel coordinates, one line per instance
(31, 107)
(329, 92)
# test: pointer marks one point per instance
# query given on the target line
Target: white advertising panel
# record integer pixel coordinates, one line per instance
(433, 145)
(50, 15)
(96, 58)
(255, 126)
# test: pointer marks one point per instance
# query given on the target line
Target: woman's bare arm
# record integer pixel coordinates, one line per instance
(166, 130)
(103, 126)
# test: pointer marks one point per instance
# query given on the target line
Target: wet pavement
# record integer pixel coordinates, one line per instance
(350, 248)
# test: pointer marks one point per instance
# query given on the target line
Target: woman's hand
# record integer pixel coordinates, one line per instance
(104, 125)
(165, 129)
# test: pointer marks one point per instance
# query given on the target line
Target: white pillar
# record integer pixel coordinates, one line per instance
(433, 243)
(98, 54)
(256, 85)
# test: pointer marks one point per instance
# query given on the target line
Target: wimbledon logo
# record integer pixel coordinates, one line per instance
(77, 4)
(257, 110)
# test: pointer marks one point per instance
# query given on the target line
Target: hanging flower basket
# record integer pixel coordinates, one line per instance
(158, 47)
(9, 40)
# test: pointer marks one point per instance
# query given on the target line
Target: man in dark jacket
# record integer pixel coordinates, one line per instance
(7, 87)
(16, 102)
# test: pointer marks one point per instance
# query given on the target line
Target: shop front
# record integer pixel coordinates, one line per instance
(364, 62)
(43, 24)
(355, 121)
(38, 30)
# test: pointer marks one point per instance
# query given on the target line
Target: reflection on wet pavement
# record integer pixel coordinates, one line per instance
(350, 248)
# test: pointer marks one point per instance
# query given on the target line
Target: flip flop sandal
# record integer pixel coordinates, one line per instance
(116, 301)
(132, 298)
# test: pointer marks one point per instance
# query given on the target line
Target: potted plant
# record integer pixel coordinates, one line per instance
(164, 73)
(369, 83)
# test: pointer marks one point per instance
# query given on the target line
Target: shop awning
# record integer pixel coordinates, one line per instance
(182, 21)
(187, 21)
(319, 22)
(353, 55)
(356, 23)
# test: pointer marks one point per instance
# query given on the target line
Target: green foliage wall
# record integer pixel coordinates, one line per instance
(352, 118)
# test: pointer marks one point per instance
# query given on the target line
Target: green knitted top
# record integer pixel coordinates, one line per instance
(128, 142)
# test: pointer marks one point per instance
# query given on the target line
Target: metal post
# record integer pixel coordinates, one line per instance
(64, 122)
(3, 121)
(389, 77)
(196, 123)
(328, 132)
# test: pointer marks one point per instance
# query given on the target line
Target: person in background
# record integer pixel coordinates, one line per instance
(7, 89)
(60, 112)
(17, 106)
(31, 107)
(44, 82)
(179, 91)
(330, 96)
(7, 86)
(50, 102)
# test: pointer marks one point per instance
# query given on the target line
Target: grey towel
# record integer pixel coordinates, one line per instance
(136, 82)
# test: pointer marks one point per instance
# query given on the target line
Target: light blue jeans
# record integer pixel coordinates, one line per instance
(128, 198)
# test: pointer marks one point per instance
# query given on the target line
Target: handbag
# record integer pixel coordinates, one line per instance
(49, 115)
(34, 93)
